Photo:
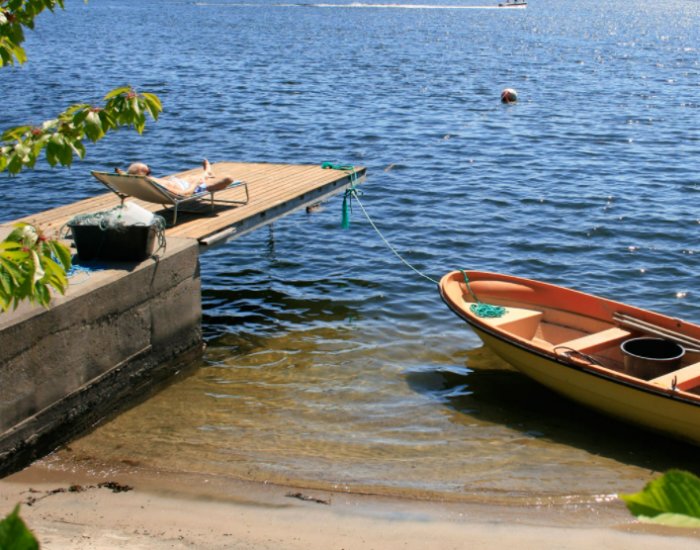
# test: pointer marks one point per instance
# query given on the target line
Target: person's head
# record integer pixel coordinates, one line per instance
(139, 169)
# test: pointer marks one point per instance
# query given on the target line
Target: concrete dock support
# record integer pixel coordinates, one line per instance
(117, 335)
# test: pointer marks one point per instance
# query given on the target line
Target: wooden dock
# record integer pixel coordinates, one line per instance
(274, 189)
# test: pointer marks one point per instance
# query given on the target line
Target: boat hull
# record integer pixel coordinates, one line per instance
(525, 338)
(630, 404)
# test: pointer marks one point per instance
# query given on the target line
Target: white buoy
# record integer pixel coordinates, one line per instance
(509, 95)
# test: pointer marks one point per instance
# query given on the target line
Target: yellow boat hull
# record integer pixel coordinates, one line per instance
(657, 412)
(576, 344)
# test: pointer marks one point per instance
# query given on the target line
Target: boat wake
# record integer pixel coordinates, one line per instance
(359, 5)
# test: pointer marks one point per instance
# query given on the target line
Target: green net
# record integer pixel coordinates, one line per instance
(117, 218)
(121, 220)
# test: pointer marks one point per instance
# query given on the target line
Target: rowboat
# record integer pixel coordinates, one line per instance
(636, 365)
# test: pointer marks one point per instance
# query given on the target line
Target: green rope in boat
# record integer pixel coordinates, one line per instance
(480, 309)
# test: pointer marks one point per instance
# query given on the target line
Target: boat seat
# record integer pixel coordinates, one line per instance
(597, 340)
(517, 321)
(686, 378)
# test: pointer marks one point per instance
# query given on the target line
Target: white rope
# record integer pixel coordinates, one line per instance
(354, 194)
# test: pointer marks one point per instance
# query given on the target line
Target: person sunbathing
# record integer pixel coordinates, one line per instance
(182, 185)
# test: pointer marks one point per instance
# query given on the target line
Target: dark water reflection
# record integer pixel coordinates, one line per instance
(495, 393)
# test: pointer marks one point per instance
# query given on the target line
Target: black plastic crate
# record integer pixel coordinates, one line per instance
(124, 243)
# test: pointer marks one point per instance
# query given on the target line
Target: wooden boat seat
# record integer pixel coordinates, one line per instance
(597, 340)
(518, 321)
(686, 378)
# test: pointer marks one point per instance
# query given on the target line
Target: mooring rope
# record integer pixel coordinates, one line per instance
(374, 226)
(479, 309)
(353, 193)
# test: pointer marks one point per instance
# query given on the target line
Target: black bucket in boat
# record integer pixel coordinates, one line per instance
(648, 358)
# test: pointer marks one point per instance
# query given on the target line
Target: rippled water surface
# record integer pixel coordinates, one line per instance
(329, 363)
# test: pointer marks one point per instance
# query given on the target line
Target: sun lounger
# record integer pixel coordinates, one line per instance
(147, 189)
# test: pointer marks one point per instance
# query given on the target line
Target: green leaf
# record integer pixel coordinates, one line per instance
(107, 120)
(62, 253)
(118, 91)
(54, 274)
(48, 124)
(41, 294)
(22, 151)
(93, 126)
(116, 104)
(30, 265)
(80, 116)
(10, 266)
(135, 106)
(6, 282)
(14, 534)
(20, 55)
(78, 148)
(5, 300)
(672, 520)
(39, 144)
(25, 287)
(10, 244)
(77, 107)
(10, 52)
(65, 153)
(16, 255)
(13, 134)
(14, 164)
(675, 493)
(153, 104)
(140, 123)
(17, 234)
(52, 152)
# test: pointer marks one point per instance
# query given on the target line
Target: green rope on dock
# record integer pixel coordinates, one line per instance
(337, 166)
(480, 309)
(350, 192)
(347, 207)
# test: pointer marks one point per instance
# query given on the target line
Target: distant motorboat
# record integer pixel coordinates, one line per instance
(513, 4)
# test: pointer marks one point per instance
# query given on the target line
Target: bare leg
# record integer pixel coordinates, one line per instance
(196, 180)
(207, 169)
(199, 179)
(219, 184)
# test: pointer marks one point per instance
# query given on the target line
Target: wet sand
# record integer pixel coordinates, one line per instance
(167, 511)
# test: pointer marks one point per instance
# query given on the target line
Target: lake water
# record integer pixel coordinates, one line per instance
(329, 363)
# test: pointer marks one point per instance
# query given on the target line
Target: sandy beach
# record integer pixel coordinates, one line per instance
(81, 511)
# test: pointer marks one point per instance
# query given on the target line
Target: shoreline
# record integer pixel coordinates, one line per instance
(176, 511)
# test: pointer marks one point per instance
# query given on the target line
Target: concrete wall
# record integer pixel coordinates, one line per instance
(116, 336)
